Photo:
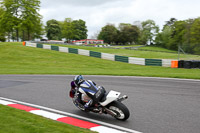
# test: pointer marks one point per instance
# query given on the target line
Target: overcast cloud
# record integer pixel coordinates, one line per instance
(97, 13)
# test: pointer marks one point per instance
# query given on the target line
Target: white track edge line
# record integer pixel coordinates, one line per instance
(73, 115)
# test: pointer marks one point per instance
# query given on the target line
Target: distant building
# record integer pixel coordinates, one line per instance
(88, 41)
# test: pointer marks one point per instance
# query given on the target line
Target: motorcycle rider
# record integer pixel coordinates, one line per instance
(86, 89)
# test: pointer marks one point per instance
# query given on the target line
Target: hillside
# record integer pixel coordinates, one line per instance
(17, 59)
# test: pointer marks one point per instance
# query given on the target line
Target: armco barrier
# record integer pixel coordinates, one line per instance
(153, 62)
(56, 48)
(46, 46)
(131, 60)
(73, 50)
(39, 46)
(166, 62)
(64, 49)
(84, 52)
(138, 61)
(31, 44)
(108, 56)
(121, 58)
(95, 54)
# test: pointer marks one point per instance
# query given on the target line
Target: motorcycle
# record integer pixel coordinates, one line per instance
(108, 103)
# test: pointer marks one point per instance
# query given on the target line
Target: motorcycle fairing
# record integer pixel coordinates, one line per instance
(88, 88)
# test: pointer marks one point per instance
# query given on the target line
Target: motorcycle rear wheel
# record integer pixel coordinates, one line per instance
(120, 109)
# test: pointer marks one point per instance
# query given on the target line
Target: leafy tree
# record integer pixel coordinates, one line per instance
(2, 37)
(10, 18)
(186, 42)
(2, 34)
(53, 30)
(177, 37)
(21, 15)
(170, 22)
(163, 38)
(122, 33)
(184, 33)
(80, 29)
(149, 31)
(31, 19)
(108, 33)
(67, 29)
(195, 36)
(123, 25)
(128, 33)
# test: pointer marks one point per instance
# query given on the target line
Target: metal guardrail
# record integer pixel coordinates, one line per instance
(131, 60)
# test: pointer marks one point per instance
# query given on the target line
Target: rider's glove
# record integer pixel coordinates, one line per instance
(88, 104)
(72, 92)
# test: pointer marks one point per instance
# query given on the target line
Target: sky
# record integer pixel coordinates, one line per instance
(98, 13)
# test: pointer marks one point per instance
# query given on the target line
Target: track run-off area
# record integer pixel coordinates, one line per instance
(157, 105)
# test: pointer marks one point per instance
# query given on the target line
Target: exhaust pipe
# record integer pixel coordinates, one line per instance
(122, 98)
(112, 113)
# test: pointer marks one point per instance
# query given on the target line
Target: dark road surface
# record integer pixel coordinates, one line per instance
(157, 105)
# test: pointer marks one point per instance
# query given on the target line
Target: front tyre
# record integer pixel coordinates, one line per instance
(120, 109)
(79, 106)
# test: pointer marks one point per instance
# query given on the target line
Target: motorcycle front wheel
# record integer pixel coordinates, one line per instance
(79, 106)
(120, 109)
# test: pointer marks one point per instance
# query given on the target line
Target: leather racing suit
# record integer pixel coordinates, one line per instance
(87, 93)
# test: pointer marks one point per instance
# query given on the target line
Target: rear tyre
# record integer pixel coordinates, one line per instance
(120, 109)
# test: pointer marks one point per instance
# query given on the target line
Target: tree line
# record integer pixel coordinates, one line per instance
(20, 20)
(175, 33)
(183, 33)
(125, 33)
(68, 29)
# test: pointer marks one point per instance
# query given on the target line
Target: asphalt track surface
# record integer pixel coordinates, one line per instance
(157, 105)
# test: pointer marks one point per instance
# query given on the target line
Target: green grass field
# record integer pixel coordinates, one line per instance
(18, 59)
(17, 121)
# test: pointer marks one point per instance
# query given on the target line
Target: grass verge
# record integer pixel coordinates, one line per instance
(17, 121)
(17, 59)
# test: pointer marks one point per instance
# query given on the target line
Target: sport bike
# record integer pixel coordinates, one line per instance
(108, 103)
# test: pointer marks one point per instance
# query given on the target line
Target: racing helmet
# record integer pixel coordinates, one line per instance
(78, 79)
